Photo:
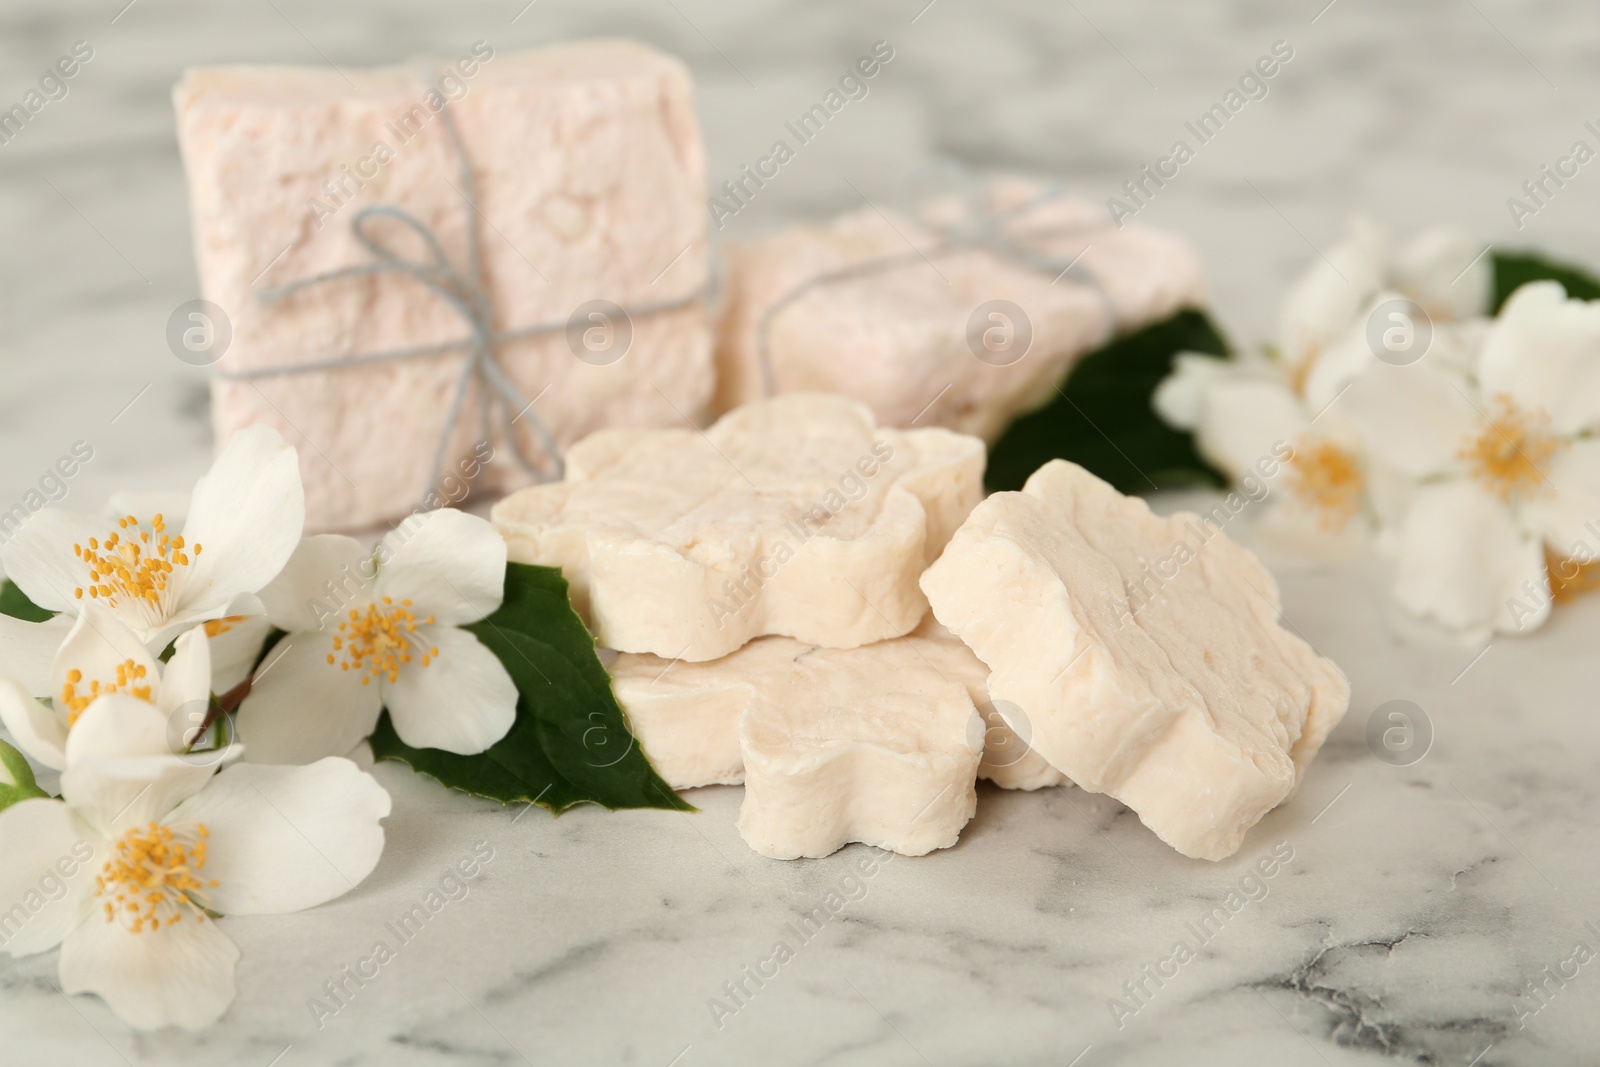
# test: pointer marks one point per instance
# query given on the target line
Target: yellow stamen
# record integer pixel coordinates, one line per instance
(222, 625)
(1507, 456)
(153, 877)
(131, 568)
(379, 641)
(1570, 577)
(1327, 478)
(130, 681)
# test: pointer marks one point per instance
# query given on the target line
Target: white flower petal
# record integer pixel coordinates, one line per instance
(1464, 563)
(39, 731)
(171, 504)
(1457, 346)
(115, 727)
(1544, 352)
(1327, 299)
(1568, 515)
(1414, 418)
(234, 648)
(1344, 358)
(301, 708)
(449, 564)
(179, 975)
(282, 839)
(186, 679)
(39, 557)
(299, 600)
(246, 516)
(1243, 421)
(246, 605)
(463, 701)
(45, 888)
(1389, 493)
(100, 640)
(96, 646)
(28, 649)
(1180, 397)
(120, 767)
(1446, 272)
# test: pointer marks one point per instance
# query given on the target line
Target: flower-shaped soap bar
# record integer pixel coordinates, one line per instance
(794, 516)
(880, 744)
(1145, 651)
(686, 715)
(873, 745)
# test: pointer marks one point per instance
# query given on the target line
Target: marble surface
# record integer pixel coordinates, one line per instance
(1420, 901)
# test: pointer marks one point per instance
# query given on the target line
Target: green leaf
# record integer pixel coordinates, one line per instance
(17, 782)
(1101, 417)
(15, 602)
(570, 742)
(1515, 269)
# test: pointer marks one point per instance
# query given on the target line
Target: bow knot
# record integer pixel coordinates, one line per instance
(463, 290)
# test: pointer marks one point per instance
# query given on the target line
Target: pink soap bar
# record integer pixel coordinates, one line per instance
(590, 186)
(901, 337)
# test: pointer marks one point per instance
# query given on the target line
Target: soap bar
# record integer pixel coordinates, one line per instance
(1009, 760)
(795, 516)
(871, 745)
(905, 338)
(686, 715)
(589, 179)
(1146, 652)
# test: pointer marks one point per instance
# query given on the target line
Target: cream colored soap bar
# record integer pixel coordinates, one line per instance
(686, 715)
(1009, 761)
(866, 745)
(1146, 652)
(590, 184)
(796, 516)
(902, 338)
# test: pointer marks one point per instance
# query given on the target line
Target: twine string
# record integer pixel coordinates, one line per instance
(976, 227)
(467, 295)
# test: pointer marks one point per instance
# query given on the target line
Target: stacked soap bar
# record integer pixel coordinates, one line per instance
(848, 714)
(960, 315)
(881, 740)
(797, 517)
(760, 578)
(588, 177)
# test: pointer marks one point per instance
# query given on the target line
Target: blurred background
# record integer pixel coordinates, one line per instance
(1417, 113)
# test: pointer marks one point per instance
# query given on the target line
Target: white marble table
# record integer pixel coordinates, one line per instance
(1419, 901)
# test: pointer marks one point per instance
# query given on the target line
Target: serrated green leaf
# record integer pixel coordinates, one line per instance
(15, 603)
(1101, 418)
(1515, 269)
(17, 783)
(570, 743)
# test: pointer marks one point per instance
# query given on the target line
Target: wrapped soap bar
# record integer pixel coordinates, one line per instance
(549, 203)
(963, 313)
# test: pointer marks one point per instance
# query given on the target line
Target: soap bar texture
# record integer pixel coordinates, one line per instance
(795, 516)
(686, 715)
(905, 338)
(589, 179)
(868, 745)
(1146, 652)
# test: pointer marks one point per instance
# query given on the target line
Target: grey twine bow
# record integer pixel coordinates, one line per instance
(467, 295)
(977, 227)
